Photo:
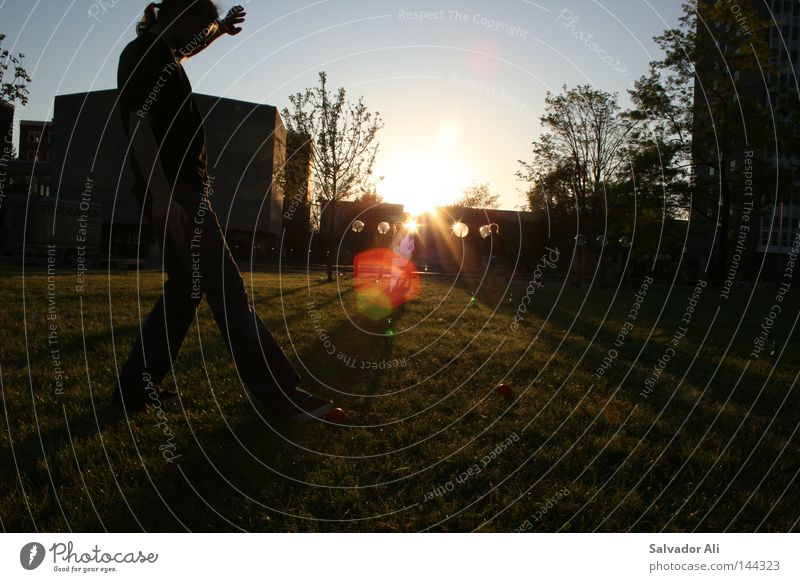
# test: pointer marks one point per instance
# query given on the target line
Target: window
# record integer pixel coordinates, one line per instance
(33, 136)
(49, 137)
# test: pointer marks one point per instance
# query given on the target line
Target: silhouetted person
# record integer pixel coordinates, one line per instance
(168, 159)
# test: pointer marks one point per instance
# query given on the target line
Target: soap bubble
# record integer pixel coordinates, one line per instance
(358, 226)
(384, 227)
(460, 229)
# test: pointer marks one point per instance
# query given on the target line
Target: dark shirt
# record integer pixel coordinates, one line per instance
(152, 81)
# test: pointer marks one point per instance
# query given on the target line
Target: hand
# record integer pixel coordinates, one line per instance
(235, 16)
(170, 219)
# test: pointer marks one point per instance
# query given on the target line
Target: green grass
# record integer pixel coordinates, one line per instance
(713, 447)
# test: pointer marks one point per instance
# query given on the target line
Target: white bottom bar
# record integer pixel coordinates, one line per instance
(406, 558)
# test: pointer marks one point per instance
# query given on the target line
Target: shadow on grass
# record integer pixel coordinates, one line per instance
(248, 475)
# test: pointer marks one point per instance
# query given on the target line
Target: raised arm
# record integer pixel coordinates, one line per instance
(227, 25)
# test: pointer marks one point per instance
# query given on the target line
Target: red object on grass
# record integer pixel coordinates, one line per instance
(336, 415)
(505, 390)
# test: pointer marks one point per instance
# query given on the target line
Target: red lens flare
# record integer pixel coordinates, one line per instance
(384, 280)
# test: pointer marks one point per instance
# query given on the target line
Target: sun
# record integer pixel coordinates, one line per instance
(448, 135)
(411, 225)
(425, 173)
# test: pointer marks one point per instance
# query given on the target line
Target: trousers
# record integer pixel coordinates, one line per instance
(204, 267)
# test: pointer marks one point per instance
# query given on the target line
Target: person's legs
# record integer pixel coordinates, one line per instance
(259, 359)
(162, 335)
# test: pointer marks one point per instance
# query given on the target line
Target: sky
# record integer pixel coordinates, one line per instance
(460, 85)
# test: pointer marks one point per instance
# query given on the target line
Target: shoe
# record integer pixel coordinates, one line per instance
(135, 400)
(305, 407)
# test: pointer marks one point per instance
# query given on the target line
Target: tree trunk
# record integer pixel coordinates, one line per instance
(721, 262)
(329, 245)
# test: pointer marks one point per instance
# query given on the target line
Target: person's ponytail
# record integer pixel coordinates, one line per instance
(168, 10)
(149, 18)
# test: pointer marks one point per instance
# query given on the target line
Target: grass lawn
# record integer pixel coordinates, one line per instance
(708, 442)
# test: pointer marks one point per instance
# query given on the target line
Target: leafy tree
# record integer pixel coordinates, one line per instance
(647, 198)
(637, 200)
(478, 196)
(370, 198)
(599, 167)
(15, 89)
(552, 193)
(344, 136)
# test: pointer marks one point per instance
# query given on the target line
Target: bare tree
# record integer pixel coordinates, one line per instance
(478, 196)
(345, 146)
(584, 139)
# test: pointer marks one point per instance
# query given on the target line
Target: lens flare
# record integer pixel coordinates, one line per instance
(384, 280)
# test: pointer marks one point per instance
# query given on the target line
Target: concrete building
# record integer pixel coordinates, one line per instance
(515, 244)
(6, 128)
(246, 149)
(35, 141)
(514, 241)
(776, 195)
(29, 178)
(6, 147)
(29, 173)
(298, 197)
(350, 242)
(780, 219)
